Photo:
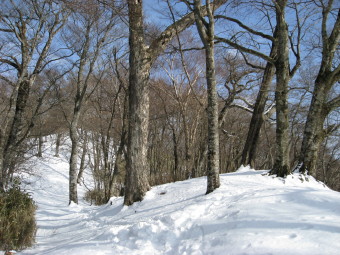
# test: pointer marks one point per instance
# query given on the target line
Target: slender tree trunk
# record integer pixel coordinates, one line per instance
(73, 170)
(57, 146)
(40, 145)
(213, 131)
(83, 158)
(281, 165)
(175, 152)
(137, 183)
(187, 156)
(249, 150)
(118, 161)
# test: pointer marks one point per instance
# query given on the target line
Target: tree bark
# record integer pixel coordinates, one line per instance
(2, 172)
(314, 133)
(281, 165)
(137, 183)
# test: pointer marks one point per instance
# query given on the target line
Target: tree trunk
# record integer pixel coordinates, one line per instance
(17, 124)
(2, 172)
(281, 165)
(73, 170)
(83, 157)
(175, 153)
(249, 150)
(40, 145)
(213, 131)
(314, 132)
(57, 146)
(328, 75)
(187, 147)
(10, 150)
(207, 34)
(137, 183)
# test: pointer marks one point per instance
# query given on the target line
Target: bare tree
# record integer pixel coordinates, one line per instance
(28, 29)
(250, 146)
(87, 36)
(322, 103)
(279, 58)
(206, 31)
(141, 58)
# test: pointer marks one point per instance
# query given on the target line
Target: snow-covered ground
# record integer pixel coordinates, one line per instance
(250, 213)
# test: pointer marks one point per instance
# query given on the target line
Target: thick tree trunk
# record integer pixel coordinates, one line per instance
(137, 183)
(249, 150)
(314, 132)
(281, 165)
(2, 172)
(16, 128)
(16, 132)
(328, 75)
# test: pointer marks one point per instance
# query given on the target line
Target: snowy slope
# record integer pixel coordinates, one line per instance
(249, 214)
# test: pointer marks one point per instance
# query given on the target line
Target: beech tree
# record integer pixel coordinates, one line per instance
(258, 116)
(278, 58)
(206, 31)
(322, 103)
(141, 59)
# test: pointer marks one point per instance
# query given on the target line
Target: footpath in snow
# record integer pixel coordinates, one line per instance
(250, 213)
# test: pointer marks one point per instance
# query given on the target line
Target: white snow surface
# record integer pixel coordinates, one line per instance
(251, 213)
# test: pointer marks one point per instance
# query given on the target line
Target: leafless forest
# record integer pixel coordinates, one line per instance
(150, 92)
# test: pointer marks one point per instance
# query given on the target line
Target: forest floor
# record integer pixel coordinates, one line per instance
(251, 213)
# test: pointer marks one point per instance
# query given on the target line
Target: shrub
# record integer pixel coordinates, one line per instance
(17, 220)
(96, 197)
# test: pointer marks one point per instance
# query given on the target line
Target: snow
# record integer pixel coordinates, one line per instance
(251, 213)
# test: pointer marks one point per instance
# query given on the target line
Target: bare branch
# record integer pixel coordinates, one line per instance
(159, 44)
(333, 104)
(15, 65)
(246, 50)
(242, 107)
(250, 30)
